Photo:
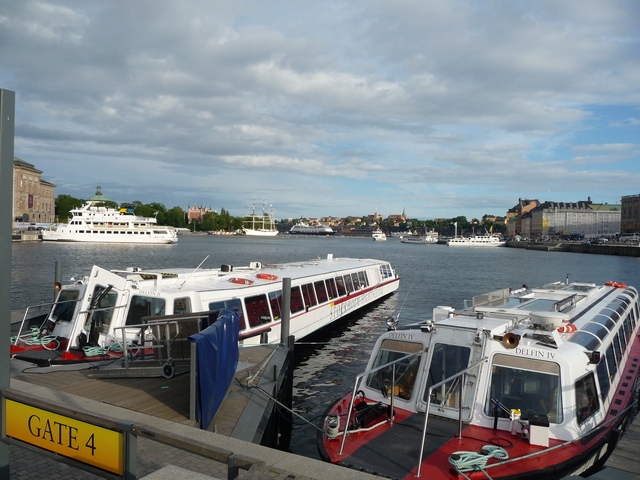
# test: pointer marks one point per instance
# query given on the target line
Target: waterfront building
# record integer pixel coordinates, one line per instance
(33, 197)
(515, 216)
(630, 221)
(582, 218)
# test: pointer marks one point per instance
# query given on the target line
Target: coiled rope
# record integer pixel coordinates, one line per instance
(34, 338)
(115, 347)
(472, 461)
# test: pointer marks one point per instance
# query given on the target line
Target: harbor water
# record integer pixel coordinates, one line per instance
(326, 364)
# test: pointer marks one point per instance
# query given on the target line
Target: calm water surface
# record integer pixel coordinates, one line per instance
(431, 275)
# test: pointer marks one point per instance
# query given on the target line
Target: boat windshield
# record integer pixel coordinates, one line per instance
(65, 306)
(446, 361)
(525, 384)
(405, 370)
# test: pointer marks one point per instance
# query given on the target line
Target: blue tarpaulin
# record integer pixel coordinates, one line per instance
(216, 362)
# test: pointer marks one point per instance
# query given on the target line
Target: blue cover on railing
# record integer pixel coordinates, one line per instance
(216, 362)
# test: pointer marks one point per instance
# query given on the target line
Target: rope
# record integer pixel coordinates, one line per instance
(34, 338)
(472, 461)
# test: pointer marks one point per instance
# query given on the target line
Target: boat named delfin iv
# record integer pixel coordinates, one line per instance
(95, 316)
(96, 223)
(531, 383)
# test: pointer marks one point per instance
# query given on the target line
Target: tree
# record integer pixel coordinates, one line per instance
(64, 204)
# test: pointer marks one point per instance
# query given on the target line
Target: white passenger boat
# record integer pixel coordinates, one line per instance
(487, 240)
(96, 223)
(259, 225)
(302, 228)
(378, 236)
(428, 239)
(93, 314)
(525, 384)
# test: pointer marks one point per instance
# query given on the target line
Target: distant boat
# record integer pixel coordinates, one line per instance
(259, 225)
(378, 235)
(406, 233)
(302, 228)
(96, 223)
(426, 239)
(487, 240)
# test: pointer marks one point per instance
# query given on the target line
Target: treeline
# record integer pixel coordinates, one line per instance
(173, 217)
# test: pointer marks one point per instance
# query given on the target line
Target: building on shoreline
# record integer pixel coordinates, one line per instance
(33, 197)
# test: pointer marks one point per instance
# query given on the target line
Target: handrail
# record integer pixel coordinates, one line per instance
(40, 305)
(426, 413)
(355, 389)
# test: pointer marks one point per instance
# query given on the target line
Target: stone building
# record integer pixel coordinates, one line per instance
(33, 198)
(630, 221)
(578, 219)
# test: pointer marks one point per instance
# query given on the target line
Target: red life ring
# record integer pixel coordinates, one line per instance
(616, 284)
(570, 327)
(267, 276)
(241, 281)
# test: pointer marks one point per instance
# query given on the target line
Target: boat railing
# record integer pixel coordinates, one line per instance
(359, 377)
(40, 306)
(164, 332)
(463, 374)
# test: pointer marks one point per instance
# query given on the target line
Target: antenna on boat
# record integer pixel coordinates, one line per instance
(186, 277)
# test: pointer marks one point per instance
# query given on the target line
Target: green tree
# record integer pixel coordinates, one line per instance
(64, 204)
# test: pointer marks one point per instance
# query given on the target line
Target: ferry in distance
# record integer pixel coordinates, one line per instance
(302, 228)
(94, 222)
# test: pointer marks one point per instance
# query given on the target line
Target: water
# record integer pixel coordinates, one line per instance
(431, 275)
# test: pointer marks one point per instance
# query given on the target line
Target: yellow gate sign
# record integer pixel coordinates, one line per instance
(97, 446)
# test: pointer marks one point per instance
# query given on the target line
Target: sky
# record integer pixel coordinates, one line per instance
(435, 108)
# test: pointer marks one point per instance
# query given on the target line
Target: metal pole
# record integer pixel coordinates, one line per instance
(7, 126)
(285, 326)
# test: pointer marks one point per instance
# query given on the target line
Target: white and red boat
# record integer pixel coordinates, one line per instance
(532, 383)
(93, 316)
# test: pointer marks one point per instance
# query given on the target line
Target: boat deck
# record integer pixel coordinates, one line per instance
(160, 397)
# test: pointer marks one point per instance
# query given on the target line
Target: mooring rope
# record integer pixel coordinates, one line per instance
(34, 338)
(472, 461)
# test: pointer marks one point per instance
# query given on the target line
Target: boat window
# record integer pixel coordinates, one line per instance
(356, 281)
(331, 288)
(628, 328)
(622, 339)
(182, 305)
(297, 303)
(405, 370)
(348, 283)
(606, 321)
(342, 289)
(257, 310)
(611, 361)
(587, 340)
(321, 291)
(597, 330)
(275, 299)
(65, 306)
(309, 295)
(603, 378)
(446, 361)
(385, 270)
(102, 312)
(617, 349)
(232, 304)
(363, 279)
(141, 306)
(529, 385)
(587, 402)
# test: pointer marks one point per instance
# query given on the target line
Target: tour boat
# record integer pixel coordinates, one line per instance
(259, 225)
(95, 316)
(378, 235)
(302, 228)
(488, 240)
(427, 239)
(531, 383)
(96, 223)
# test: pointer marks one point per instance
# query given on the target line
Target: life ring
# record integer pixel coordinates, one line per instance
(241, 281)
(267, 276)
(616, 284)
(570, 327)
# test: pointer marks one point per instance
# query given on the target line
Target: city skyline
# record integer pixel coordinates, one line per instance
(439, 108)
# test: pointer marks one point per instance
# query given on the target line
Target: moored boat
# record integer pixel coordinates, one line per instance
(426, 239)
(94, 317)
(259, 225)
(530, 383)
(378, 235)
(487, 240)
(94, 222)
(302, 228)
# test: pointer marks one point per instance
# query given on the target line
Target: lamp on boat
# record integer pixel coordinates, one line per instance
(594, 357)
(57, 286)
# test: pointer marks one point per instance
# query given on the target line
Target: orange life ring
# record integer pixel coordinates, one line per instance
(616, 284)
(267, 276)
(570, 327)
(241, 281)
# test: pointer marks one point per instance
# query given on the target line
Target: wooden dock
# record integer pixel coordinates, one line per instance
(168, 399)
(626, 456)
